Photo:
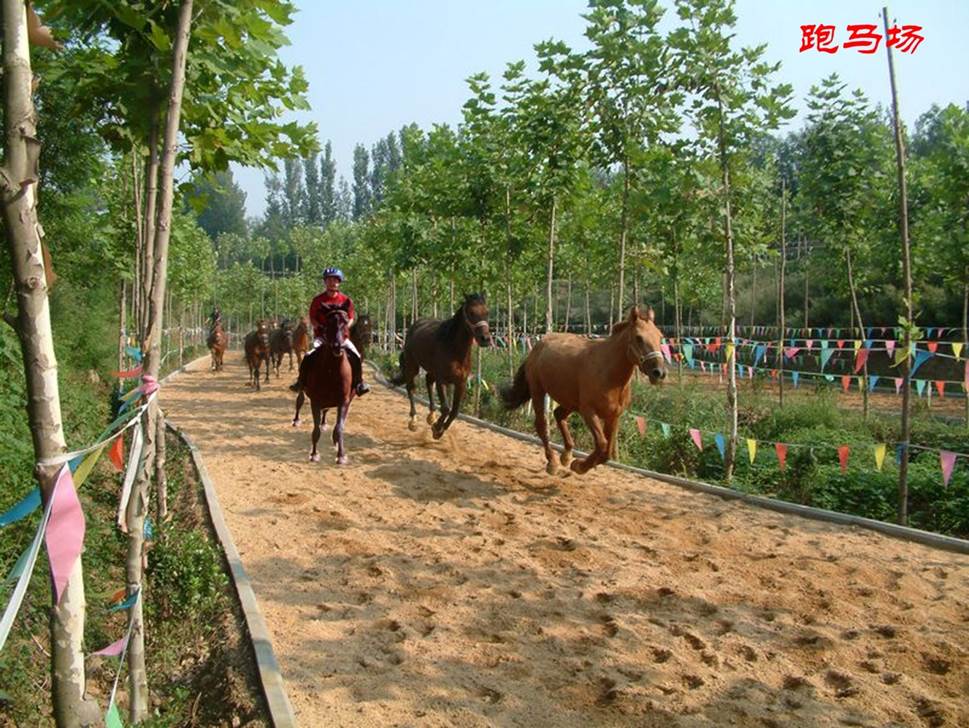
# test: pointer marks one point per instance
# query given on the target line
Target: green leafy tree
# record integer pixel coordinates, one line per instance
(362, 199)
(220, 204)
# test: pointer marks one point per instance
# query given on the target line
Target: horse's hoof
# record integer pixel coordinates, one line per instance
(342, 460)
(314, 457)
(430, 418)
(577, 466)
(551, 468)
(296, 423)
(412, 426)
(437, 434)
(566, 458)
(323, 427)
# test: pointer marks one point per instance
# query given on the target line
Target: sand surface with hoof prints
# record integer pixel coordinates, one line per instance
(454, 582)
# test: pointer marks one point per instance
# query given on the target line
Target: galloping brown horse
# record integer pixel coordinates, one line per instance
(443, 350)
(257, 351)
(281, 342)
(301, 339)
(328, 380)
(362, 334)
(590, 377)
(217, 341)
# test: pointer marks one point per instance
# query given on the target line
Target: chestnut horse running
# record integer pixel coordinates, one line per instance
(217, 341)
(329, 380)
(588, 376)
(443, 350)
(301, 339)
(257, 352)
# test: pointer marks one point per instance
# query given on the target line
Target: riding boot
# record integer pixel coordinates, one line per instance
(356, 367)
(299, 383)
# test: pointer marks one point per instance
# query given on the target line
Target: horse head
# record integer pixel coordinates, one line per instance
(475, 312)
(335, 321)
(262, 332)
(287, 330)
(643, 344)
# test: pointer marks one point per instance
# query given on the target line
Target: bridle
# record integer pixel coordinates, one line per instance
(483, 324)
(639, 360)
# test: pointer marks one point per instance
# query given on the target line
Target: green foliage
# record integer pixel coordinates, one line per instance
(187, 577)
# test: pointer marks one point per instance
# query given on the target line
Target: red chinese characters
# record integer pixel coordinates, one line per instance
(863, 37)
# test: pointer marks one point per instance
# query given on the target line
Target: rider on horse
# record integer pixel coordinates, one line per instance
(332, 296)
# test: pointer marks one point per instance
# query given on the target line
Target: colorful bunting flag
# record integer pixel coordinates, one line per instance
(781, 450)
(932, 346)
(128, 373)
(697, 439)
(641, 424)
(751, 449)
(87, 465)
(940, 388)
(898, 384)
(116, 453)
(956, 349)
(23, 508)
(665, 428)
(872, 381)
(114, 649)
(843, 457)
(845, 382)
(889, 347)
(65, 532)
(112, 719)
(880, 455)
(721, 444)
(947, 460)
(920, 358)
(860, 359)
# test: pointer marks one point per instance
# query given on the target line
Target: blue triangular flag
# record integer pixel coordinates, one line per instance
(720, 444)
(872, 380)
(27, 505)
(921, 356)
(795, 376)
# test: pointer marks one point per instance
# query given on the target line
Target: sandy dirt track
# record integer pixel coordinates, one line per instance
(455, 583)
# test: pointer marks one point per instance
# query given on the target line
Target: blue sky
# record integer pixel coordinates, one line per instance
(375, 65)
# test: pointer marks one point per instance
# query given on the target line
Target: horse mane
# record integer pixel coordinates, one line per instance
(450, 328)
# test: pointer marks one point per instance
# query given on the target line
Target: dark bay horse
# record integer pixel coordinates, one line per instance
(328, 380)
(362, 334)
(443, 350)
(217, 341)
(257, 352)
(281, 342)
(588, 376)
(301, 339)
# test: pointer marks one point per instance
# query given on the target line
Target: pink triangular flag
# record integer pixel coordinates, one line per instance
(843, 457)
(112, 650)
(665, 348)
(791, 351)
(940, 388)
(889, 347)
(697, 439)
(861, 359)
(898, 384)
(65, 532)
(641, 424)
(781, 449)
(808, 343)
(947, 460)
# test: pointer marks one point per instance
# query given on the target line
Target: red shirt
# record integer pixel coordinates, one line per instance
(329, 299)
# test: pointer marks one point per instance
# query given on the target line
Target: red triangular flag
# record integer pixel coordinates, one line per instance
(843, 457)
(781, 449)
(841, 343)
(116, 453)
(860, 361)
(845, 382)
(641, 424)
(932, 346)
(940, 388)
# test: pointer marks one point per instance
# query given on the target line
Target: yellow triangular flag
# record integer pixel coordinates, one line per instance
(956, 349)
(861, 384)
(87, 465)
(729, 351)
(880, 455)
(751, 449)
(857, 344)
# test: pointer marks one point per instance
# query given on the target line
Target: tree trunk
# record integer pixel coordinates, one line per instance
(138, 503)
(731, 450)
(161, 481)
(965, 333)
(148, 236)
(907, 273)
(550, 271)
(122, 333)
(568, 306)
(780, 297)
(588, 312)
(807, 302)
(139, 241)
(861, 328)
(623, 225)
(19, 177)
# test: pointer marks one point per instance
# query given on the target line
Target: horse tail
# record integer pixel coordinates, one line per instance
(517, 393)
(398, 378)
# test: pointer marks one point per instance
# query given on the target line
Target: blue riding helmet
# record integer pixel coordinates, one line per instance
(333, 272)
